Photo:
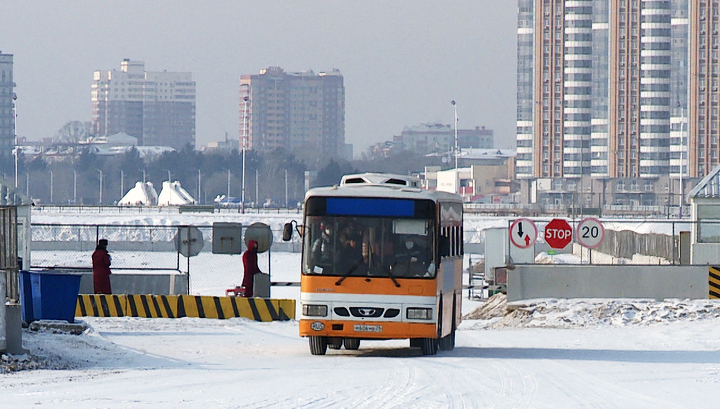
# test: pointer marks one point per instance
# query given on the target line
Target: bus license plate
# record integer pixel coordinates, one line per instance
(367, 328)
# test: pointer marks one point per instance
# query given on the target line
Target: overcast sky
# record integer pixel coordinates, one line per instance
(403, 61)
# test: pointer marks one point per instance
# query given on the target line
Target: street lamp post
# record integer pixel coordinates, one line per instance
(457, 175)
(456, 138)
(15, 138)
(244, 147)
(51, 186)
(122, 183)
(682, 160)
(101, 188)
(15, 153)
(199, 193)
(74, 186)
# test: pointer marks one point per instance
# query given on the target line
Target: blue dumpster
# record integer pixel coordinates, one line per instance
(48, 295)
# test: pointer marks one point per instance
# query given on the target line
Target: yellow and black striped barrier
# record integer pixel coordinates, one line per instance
(714, 281)
(178, 306)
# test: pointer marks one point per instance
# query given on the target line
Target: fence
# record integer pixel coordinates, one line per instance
(138, 248)
(628, 242)
(152, 248)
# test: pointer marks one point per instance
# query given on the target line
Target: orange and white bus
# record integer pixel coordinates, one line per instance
(381, 259)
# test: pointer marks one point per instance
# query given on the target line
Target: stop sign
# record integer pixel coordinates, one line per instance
(558, 233)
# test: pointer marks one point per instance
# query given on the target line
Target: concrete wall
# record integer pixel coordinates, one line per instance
(705, 253)
(139, 283)
(3, 324)
(607, 281)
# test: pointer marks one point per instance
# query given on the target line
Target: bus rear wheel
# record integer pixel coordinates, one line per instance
(428, 346)
(318, 345)
(351, 344)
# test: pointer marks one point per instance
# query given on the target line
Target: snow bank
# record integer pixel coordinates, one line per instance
(581, 313)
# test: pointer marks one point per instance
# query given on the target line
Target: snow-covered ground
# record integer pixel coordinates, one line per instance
(568, 356)
(545, 354)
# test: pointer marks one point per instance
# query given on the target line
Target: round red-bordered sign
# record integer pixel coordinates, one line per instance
(590, 232)
(523, 233)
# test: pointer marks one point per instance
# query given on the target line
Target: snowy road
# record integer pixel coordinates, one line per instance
(193, 363)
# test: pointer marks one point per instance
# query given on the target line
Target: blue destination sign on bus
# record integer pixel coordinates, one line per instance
(370, 207)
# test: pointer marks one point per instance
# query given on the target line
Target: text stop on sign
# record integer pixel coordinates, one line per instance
(558, 233)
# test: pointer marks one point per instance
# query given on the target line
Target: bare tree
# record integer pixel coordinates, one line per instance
(73, 132)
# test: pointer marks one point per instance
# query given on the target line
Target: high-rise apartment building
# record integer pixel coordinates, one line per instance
(622, 90)
(158, 108)
(300, 111)
(7, 101)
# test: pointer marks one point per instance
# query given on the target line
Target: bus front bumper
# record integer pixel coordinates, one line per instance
(367, 329)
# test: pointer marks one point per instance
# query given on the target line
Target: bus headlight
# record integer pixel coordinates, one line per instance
(419, 313)
(310, 310)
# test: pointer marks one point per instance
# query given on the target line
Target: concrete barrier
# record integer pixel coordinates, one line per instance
(607, 281)
(167, 283)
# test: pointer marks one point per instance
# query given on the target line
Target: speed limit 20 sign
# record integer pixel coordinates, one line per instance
(590, 232)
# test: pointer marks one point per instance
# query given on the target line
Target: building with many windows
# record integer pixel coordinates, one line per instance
(158, 108)
(437, 137)
(617, 97)
(300, 111)
(7, 107)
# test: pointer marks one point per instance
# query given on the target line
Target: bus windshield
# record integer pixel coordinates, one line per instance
(368, 246)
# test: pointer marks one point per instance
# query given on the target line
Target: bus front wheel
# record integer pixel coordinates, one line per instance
(428, 346)
(447, 343)
(318, 345)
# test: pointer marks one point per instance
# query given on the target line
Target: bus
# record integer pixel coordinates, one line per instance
(381, 259)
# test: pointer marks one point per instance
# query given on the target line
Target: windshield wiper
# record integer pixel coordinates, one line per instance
(347, 273)
(392, 277)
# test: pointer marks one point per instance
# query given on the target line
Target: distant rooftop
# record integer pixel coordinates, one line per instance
(709, 186)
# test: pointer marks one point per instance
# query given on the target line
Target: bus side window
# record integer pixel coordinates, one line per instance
(444, 246)
(450, 243)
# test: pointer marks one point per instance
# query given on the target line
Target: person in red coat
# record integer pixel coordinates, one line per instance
(250, 264)
(101, 268)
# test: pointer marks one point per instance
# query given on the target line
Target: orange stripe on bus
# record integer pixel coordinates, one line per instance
(376, 285)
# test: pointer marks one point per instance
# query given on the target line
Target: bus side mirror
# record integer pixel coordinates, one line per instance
(287, 231)
(444, 246)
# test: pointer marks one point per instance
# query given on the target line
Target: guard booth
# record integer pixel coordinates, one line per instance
(13, 236)
(705, 208)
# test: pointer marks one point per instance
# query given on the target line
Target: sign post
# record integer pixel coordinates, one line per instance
(558, 233)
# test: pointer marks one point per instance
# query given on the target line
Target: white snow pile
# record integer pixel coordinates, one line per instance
(52, 347)
(495, 306)
(584, 313)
